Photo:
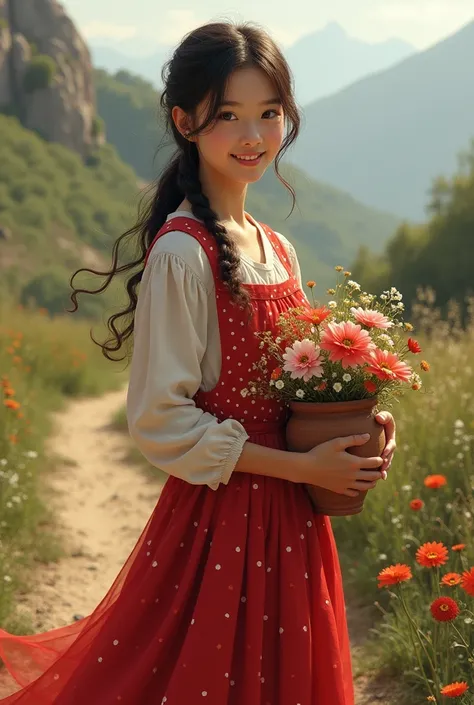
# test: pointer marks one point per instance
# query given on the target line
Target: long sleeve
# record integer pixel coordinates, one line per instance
(170, 342)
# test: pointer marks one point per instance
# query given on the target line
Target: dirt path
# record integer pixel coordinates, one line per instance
(102, 504)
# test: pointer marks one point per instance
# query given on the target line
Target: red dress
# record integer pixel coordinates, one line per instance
(231, 596)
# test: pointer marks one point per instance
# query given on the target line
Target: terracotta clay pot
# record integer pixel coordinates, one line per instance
(311, 423)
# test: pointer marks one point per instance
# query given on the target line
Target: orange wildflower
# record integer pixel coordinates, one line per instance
(467, 581)
(444, 609)
(10, 350)
(13, 439)
(455, 690)
(311, 284)
(432, 554)
(394, 574)
(9, 392)
(451, 579)
(458, 547)
(12, 404)
(276, 374)
(425, 366)
(315, 315)
(435, 481)
(416, 504)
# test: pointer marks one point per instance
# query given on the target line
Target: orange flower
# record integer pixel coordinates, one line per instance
(370, 386)
(276, 374)
(10, 350)
(9, 392)
(416, 504)
(432, 554)
(467, 581)
(425, 366)
(13, 439)
(413, 346)
(11, 404)
(311, 284)
(451, 579)
(455, 690)
(458, 547)
(315, 315)
(444, 609)
(16, 360)
(394, 574)
(435, 481)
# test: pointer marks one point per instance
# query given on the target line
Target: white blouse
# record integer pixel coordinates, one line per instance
(176, 351)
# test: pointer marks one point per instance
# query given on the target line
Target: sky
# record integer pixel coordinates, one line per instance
(142, 25)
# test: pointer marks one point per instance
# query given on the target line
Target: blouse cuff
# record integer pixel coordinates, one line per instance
(230, 460)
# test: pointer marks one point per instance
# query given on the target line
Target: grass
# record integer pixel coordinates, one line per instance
(43, 361)
(435, 433)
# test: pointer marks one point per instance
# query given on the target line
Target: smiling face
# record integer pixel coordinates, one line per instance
(248, 131)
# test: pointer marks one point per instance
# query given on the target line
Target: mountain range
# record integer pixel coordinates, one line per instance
(387, 136)
(322, 62)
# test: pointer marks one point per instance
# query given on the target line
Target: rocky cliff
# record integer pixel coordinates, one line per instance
(46, 73)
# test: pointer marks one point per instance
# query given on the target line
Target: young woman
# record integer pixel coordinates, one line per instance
(233, 593)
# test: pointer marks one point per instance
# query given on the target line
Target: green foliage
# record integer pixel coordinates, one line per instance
(57, 209)
(439, 253)
(3, 23)
(39, 73)
(98, 126)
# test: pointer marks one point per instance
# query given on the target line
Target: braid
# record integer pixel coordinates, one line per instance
(228, 257)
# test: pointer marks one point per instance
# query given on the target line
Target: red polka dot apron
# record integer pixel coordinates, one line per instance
(231, 596)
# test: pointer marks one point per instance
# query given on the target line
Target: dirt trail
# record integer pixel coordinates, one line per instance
(102, 504)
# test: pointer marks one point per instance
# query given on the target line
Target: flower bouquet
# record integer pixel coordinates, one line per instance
(334, 366)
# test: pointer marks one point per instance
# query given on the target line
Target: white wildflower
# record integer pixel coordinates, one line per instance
(353, 285)
(332, 304)
(279, 384)
(7, 578)
(300, 393)
(346, 377)
(30, 454)
(406, 488)
(383, 557)
(244, 392)
(337, 386)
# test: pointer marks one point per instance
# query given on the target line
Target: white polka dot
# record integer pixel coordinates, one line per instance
(259, 563)
(305, 628)
(309, 523)
(218, 567)
(268, 570)
(288, 549)
(56, 676)
(306, 576)
(255, 486)
(204, 693)
(100, 659)
(265, 617)
(243, 598)
(237, 548)
(192, 621)
(154, 564)
(281, 630)
(115, 642)
(227, 615)
(226, 675)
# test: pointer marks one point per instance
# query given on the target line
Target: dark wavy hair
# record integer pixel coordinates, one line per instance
(199, 69)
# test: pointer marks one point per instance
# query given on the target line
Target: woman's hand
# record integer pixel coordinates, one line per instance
(386, 419)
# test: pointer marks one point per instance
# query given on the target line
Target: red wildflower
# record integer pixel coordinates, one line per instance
(444, 609)
(394, 574)
(467, 581)
(12, 404)
(413, 346)
(432, 554)
(416, 504)
(435, 481)
(370, 386)
(455, 690)
(451, 579)
(276, 374)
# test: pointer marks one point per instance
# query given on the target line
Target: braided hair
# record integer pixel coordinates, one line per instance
(198, 70)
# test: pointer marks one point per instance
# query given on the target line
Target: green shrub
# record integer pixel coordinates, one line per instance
(39, 74)
(98, 126)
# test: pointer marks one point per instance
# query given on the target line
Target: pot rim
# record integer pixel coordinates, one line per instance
(330, 407)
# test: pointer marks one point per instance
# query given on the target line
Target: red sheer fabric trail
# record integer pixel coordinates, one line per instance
(229, 597)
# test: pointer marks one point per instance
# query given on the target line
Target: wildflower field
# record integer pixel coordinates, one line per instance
(43, 361)
(410, 553)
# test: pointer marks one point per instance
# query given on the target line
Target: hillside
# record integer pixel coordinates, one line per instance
(327, 226)
(385, 138)
(57, 214)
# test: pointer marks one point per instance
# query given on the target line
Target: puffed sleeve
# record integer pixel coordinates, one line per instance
(169, 344)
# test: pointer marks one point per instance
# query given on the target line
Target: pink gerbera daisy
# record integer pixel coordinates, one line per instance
(371, 319)
(303, 360)
(346, 342)
(387, 366)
